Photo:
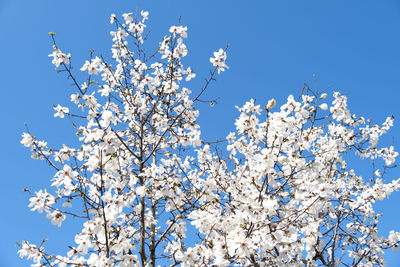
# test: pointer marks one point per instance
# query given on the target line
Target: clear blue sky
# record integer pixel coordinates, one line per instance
(276, 46)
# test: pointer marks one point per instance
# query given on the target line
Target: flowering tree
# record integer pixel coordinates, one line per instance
(152, 192)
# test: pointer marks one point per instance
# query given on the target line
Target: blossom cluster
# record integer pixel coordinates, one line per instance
(288, 197)
(59, 57)
(280, 193)
(219, 60)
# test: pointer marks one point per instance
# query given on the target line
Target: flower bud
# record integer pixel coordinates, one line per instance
(270, 104)
(323, 106)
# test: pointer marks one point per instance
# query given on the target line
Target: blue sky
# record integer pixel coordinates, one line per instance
(275, 46)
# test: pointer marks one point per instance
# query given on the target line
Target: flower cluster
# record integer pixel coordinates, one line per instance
(289, 197)
(219, 60)
(59, 57)
(279, 194)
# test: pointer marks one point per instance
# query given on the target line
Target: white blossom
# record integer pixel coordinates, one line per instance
(219, 60)
(59, 57)
(61, 111)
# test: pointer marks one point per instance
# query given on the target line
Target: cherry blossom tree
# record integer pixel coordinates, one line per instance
(149, 191)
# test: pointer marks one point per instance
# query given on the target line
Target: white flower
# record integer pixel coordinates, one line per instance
(75, 98)
(128, 18)
(27, 139)
(189, 74)
(41, 201)
(179, 30)
(59, 57)
(219, 60)
(83, 240)
(141, 191)
(106, 90)
(92, 67)
(56, 217)
(107, 118)
(61, 111)
(145, 15)
(112, 18)
(31, 252)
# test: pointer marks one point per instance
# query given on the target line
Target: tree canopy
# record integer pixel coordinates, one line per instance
(279, 191)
